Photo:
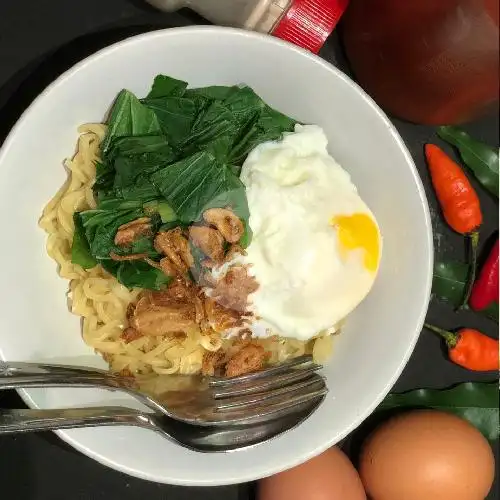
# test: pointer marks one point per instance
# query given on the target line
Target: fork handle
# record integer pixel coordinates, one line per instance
(12, 369)
(26, 375)
(20, 421)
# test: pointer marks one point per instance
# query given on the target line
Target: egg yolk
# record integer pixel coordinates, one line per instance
(358, 231)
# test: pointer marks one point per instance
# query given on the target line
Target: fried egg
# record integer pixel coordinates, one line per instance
(316, 246)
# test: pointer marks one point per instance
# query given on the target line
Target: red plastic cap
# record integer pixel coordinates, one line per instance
(308, 23)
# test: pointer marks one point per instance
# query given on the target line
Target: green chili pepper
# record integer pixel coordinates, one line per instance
(476, 402)
(449, 283)
(479, 157)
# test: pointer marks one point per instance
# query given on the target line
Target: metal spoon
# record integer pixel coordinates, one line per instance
(202, 439)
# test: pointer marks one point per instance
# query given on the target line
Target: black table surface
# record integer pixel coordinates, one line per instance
(39, 39)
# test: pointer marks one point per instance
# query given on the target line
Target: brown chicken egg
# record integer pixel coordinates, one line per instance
(329, 476)
(427, 455)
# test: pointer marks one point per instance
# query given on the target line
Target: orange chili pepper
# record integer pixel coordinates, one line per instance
(456, 195)
(470, 348)
(459, 202)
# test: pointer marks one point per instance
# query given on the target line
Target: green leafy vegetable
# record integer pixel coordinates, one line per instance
(80, 251)
(479, 157)
(171, 156)
(163, 209)
(129, 118)
(137, 274)
(475, 402)
(164, 86)
(449, 283)
(197, 183)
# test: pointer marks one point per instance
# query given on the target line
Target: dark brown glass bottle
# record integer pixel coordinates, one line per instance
(426, 61)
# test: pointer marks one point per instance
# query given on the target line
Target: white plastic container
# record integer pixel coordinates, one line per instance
(255, 15)
(306, 23)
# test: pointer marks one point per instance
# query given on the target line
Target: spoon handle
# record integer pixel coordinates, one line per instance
(22, 420)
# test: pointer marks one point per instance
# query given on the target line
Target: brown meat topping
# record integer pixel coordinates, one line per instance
(130, 334)
(175, 246)
(130, 310)
(168, 267)
(165, 312)
(219, 317)
(125, 372)
(211, 362)
(178, 291)
(233, 252)
(228, 224)
(209, 241)
(132, 256)
(249, 359)
(131, 231)
(199, 310)
(161, 320)
(233, 289)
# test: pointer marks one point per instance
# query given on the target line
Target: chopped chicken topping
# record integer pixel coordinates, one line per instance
(161, 320)
(211, 362)
(249, 359)
(233, 289)
(132, 231)
(199, 309)
(209, 241)
(168, 267)
(130, 334)
(214, 305)
(162, 313)
(221, 318)
(132, 256)
(175, 246)
(234, 251)
(228, 224)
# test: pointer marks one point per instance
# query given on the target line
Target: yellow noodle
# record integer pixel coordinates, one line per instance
(102, 301)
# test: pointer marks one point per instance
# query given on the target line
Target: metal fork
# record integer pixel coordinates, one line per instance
(246, 400)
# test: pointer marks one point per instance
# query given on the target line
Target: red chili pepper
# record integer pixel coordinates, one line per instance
(470, 348)
(485, 289)
(459, 202)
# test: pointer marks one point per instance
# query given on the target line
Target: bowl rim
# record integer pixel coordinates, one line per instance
(334, 438)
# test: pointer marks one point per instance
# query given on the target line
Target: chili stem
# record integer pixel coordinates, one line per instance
(450, 337)
(471, 278)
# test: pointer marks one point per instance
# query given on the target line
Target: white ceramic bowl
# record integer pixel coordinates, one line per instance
(379, 336)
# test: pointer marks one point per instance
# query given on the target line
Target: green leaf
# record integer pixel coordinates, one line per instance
(245, 105)
(269, 126)
(214, 92)
(141, 145)
(165, 211)
(214, 131)
(164, 86)
(491, 311)
(80, 250)
(472, 401)
(129, 117)
(176, 116)
(449, 283)
(137, 274)
(197, 183)
(141, 274)
(479, 157)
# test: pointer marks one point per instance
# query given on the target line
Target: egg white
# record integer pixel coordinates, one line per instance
(308, 282)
